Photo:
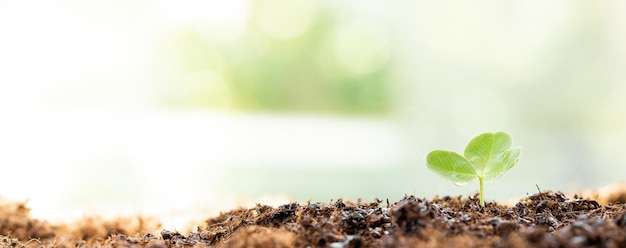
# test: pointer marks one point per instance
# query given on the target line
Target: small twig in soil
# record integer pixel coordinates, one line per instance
(540, 194)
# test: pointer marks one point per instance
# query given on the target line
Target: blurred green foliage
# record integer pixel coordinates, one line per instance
(259, 72)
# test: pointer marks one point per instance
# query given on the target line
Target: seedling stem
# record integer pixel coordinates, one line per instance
(482, 201)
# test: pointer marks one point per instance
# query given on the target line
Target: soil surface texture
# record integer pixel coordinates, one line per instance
(546, 219)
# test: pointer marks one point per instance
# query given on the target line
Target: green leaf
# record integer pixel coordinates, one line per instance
(451, 166)
(485, 153)
(503, 163)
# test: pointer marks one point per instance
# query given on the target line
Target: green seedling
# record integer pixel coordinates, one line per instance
(488, 156)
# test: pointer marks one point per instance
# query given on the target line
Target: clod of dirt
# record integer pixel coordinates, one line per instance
(547, 219)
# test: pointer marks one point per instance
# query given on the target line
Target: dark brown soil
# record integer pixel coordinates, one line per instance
(548, 219)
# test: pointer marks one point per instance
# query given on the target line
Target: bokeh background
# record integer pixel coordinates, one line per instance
(162, 105)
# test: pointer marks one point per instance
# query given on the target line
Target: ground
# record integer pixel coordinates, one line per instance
(545, 219)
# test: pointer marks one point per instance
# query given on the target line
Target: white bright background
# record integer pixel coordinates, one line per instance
(82, 127)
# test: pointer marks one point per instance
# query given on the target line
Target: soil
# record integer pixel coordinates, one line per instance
(546, 219)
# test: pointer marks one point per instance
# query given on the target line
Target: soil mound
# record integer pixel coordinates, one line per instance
(547, 219)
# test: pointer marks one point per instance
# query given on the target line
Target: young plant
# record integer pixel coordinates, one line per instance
(487, 157)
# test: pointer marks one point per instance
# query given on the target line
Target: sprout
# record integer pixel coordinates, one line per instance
(488, 156)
